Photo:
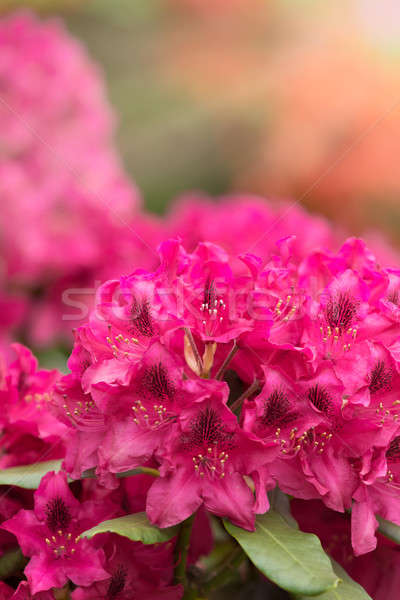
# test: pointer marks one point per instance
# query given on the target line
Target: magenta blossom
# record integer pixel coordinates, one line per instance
(136, 571)
(142, 415)
(23, 592)
(206, 461)
(84, 422)
(307, 351)
(377, 494)
(49, 534)
(27, 421)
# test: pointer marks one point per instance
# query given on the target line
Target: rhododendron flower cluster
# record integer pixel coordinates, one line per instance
(107, 567)
(219, 377)
(314, 341)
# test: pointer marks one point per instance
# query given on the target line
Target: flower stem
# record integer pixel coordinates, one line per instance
(181, 551)
(223, 367)
(237, 405)
(226, 573)
(139, 471)
(91, 473)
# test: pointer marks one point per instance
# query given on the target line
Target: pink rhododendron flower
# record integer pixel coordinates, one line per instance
(204, 462)
(377, 493)
(135, 570)
(49, 534)
(30, 432)
(84, 422)
(22, 592)
(143, 413)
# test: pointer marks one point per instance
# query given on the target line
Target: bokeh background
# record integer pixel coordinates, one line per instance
(292, 97)
(295, 99)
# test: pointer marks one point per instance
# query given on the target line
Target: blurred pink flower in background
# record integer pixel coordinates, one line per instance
(246, 223)
(243, 223)
(69, 213)
(29, 431)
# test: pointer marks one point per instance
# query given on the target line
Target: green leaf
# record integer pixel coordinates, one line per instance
(389, 530)
(136, 527)
(28, 476)
(290, 558)
(346, 590)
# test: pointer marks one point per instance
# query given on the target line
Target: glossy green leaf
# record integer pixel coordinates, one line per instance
(294, 560)
(28, 476)
(136, 527)
(347, 589)
(389, 530)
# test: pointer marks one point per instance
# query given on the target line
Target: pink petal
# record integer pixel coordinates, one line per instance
(174, 498)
